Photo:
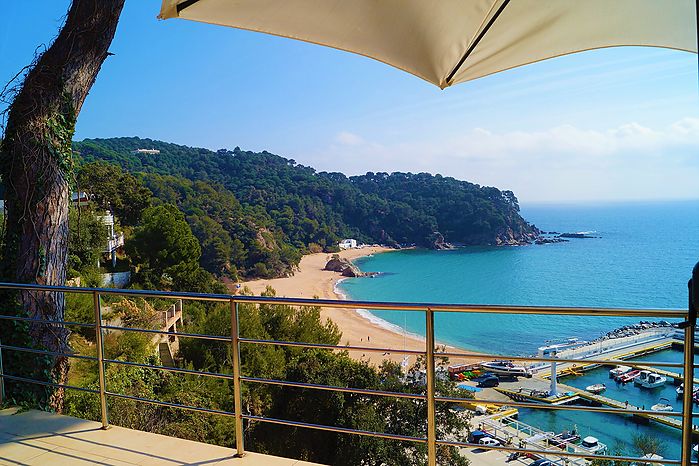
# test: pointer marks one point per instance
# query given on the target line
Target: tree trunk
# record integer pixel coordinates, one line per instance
(37, 169)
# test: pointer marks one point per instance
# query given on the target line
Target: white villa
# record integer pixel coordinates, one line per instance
(348, 243)
(114, 241)
(146, 151)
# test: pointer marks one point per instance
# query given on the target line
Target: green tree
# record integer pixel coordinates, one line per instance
(165, 251)
(87, 239)
(216, 245)
(113, 189)
(36, 166)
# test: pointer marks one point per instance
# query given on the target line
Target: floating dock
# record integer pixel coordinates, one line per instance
(532, 390)
(571, 394)
(567, 369)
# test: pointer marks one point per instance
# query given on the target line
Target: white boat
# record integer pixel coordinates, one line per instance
(654, 381)
(507, 368)
(596, 388)
(642, 377)
(680, 390)
(551, 350)
(593, 445)
(650, 459)
(662, 405)
(619, 370)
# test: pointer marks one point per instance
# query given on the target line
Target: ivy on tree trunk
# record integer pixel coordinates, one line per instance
(37, 168)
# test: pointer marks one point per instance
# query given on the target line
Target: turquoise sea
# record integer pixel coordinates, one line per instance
(642, 258)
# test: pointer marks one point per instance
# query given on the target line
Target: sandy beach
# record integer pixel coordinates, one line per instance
(311, 281)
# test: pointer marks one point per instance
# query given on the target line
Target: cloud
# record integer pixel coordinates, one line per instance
(348, 139)
(629, 161)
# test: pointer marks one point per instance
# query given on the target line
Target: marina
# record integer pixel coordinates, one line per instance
(650, 392)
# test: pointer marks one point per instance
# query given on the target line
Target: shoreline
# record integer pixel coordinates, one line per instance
(358, 327)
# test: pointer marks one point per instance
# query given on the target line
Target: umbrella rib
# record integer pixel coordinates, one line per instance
(475, 42)
(185, 4)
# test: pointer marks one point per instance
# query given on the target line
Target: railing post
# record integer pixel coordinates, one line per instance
(2, 379)
(100, 358)
(689, 328)
(431, 406)
(237, 394)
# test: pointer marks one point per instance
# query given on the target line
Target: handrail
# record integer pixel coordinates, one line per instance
(375, 305)
(430, 396)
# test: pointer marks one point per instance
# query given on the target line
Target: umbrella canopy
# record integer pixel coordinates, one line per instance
(451, 41)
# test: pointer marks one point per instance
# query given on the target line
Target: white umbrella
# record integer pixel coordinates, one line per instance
(447, 42)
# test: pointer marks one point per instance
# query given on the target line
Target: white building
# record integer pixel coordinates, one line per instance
(114, 241)
(80, 199)
(348, 243)
(146, 151)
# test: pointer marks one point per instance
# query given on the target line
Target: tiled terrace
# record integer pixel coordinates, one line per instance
(40, 438)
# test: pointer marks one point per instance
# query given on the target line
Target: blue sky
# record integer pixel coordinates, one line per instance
(615, 124)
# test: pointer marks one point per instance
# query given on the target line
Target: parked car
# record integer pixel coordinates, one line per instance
(477, 435)
(489, 442)
(542, 462)
(491, 381)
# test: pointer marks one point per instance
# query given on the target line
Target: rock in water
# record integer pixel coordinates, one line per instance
(437, 241)
(344, 266)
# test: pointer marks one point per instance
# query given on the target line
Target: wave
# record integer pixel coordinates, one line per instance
(376, 320)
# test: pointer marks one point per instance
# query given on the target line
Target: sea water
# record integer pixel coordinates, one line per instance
(642, 257)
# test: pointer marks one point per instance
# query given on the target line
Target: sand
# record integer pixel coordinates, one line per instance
(311, 281)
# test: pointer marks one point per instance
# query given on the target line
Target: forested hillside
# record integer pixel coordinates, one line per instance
(258, 212)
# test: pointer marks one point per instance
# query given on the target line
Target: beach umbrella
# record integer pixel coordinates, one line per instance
(447, 42)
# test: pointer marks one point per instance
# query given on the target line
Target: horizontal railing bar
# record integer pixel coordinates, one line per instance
(331, 347)
(340, 430)
(48, 353)
(560, 360)
(118, 292)
(215, 375)
(374, 305)
(466, 308)
(591, 409)
(332, 388)
(49, 322)
(48, 384)
(164, 332)
(557, 452)
(169, 405)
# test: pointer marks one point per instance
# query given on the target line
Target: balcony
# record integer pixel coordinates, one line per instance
(19, 432)
(40, 438)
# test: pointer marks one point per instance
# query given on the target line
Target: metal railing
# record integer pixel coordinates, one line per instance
(430, 396)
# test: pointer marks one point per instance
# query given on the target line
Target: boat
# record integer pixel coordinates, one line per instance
(662, 405)
(619, 371)
(642, 377)
(563, 439)
(628, 377)
(551, 350)
(593, 445)
(649, 459)
(654, 381)
(507, 368)
(680, 390)
(596, 388)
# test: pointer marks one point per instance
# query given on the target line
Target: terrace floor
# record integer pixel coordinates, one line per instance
(40, 438)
